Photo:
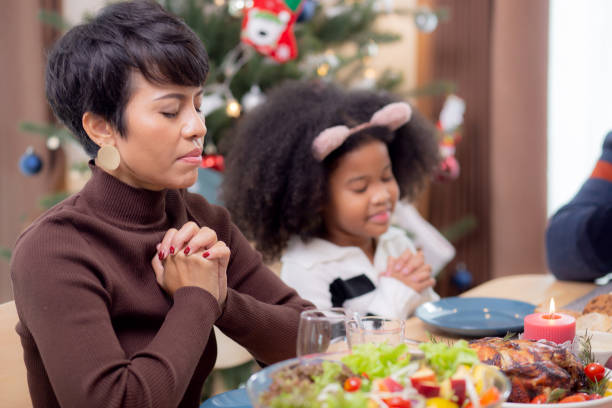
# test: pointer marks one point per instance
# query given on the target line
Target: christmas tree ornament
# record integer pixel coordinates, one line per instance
(323, 69)
(252, 98)
(462, 278)
(236, 7)
(383, 5)
(108, 157)
(53, 142)
(308, 11)
(451, 115)
(211, 103)
(213, 161)
(371, 49)
(233, 108)
(332, 59)
(267, 26)
(448, 169)
(30, 163)
(449, 121)
(426, 20)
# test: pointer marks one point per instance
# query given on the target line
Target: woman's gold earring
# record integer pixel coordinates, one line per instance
(108, 157)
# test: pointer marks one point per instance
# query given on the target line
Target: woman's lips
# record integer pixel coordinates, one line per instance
(194, 157)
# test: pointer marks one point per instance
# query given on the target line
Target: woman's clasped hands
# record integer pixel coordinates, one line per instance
(192, 256)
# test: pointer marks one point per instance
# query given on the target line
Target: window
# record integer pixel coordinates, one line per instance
(579, 93)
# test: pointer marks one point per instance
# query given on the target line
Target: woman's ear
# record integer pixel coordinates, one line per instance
(98, 129)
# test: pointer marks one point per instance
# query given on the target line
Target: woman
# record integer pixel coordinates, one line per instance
(118, 287)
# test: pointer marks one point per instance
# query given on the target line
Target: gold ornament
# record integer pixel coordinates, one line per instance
(108, 157)
(233, 108)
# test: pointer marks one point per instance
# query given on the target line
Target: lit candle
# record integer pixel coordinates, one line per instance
(556, 327)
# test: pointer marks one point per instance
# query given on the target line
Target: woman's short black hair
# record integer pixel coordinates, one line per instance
(275, 188)
(88, 69)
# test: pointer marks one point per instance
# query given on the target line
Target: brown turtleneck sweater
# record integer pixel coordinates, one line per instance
(96, 328)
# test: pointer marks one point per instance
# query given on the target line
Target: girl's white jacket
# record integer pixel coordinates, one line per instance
(330, 275)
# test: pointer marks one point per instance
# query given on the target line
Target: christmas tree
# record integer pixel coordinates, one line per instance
(254, 45)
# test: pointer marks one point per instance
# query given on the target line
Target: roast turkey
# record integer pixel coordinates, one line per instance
(533, 367)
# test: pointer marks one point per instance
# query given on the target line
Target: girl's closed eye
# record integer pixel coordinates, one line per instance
(359, 187)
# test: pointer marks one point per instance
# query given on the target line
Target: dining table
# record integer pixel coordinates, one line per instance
(536, 289)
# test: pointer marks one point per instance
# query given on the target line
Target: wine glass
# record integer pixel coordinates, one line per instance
(322, 331)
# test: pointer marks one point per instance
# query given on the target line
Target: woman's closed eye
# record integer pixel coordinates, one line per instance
(170, 115)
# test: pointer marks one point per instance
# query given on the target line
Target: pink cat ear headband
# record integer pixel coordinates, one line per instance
(392, 116)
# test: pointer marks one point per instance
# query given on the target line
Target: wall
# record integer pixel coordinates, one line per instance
(518, 136)
(22, 99)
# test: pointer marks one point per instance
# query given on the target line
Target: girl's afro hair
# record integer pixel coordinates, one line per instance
(275, 188)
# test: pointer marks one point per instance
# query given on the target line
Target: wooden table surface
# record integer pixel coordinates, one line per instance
(536, 289)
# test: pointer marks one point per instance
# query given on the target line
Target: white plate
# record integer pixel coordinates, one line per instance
(601, 403)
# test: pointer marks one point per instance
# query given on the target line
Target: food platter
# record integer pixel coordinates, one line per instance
(279, 384)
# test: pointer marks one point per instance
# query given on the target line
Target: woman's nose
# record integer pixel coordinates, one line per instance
(195, 125)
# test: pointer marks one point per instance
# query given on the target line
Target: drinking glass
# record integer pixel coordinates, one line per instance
(322, 331)
(374, 329)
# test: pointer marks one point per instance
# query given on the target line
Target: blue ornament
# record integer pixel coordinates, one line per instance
(308, 10)
(462, 278)
(30, 163)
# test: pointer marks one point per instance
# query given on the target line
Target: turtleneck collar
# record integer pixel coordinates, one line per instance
(122, 204)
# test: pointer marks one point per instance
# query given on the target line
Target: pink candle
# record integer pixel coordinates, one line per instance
(557, 327)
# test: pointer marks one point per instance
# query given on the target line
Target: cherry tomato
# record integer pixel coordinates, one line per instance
(540, 399)
(352, 384)
(365, 375)
(397, 402)
(490, 396)
(579, 397)
(594, 397)
(595, 371)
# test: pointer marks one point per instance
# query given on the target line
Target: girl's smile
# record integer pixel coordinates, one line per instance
(381, 217)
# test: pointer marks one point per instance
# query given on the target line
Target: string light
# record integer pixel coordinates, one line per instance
(233, 108)
(369, 73)
(323, 69)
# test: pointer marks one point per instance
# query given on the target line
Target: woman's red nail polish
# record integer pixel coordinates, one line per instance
(172, 250)
(206, 254)
(160, 255)
(186, 251)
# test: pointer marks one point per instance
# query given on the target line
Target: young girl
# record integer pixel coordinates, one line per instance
(316, 172)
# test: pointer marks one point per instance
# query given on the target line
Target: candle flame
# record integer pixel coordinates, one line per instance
(551, 307)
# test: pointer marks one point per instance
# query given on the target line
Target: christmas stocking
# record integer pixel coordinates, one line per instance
(268, 27)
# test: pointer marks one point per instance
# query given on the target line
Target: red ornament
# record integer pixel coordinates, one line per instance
(448, 169)
(213, 161)
(267, 26)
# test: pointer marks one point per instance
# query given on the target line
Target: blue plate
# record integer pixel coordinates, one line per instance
(475, 317)
(230, 399)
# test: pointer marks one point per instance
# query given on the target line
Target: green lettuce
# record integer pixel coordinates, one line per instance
(445, 359)
(377, 360)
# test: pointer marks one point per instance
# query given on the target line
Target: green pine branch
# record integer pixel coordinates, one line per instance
(5, 253)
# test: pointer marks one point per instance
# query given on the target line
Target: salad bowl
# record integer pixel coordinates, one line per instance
(411, 384)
